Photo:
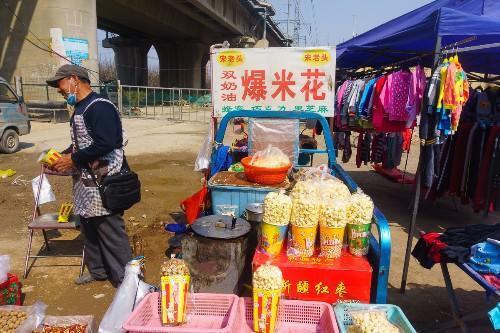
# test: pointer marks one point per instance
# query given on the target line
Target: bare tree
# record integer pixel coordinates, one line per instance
(153, 77)
(107, 70)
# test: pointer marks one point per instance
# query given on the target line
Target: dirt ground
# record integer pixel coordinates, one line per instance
(163, 154)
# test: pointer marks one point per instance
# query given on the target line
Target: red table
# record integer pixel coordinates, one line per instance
(346, 279)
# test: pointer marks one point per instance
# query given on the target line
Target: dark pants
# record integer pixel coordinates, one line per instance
(107, 249)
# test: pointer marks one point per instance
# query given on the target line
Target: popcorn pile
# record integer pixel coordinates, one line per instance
(371, 322)
(305, 213)
(333, 213)
(360, 209)
(334, 189)
(268, 277)
(174, 267)
(277, 208)
(304, 189)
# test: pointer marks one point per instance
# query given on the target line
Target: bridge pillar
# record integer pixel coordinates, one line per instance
(181, 64)
(131, 59)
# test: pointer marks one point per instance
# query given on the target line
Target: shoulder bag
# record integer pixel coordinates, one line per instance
(120, 191)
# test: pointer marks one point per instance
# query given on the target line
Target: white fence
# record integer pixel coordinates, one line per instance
(181, 104)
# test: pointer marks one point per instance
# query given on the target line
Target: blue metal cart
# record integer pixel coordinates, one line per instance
(380, 244)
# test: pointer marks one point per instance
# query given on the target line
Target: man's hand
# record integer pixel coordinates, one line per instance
(64, 164)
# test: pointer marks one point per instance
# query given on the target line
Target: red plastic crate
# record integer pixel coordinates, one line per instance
(293, 317)
(207, 313)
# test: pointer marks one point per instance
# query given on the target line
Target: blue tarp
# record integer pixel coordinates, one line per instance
(416, 33)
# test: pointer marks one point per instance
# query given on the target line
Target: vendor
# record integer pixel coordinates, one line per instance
(97, 143)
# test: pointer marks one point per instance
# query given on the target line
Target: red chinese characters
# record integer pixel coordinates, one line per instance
(228, 86)
(313, 85)
(254, 85)
(283, 84)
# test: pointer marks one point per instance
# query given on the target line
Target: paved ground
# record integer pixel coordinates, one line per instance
(163, 154)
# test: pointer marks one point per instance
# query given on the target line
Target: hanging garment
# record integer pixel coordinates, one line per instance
(443, 72)
(482, 181)
(365, 98)
(340, 94)
(458, 160)
(378, 148)
(475, 161)
(467, 159)
(415, 96)
(365, 149)
(407, 138)
(347, 152)
(380, 99)
(358, 150)
(398, 89)
(443, 182)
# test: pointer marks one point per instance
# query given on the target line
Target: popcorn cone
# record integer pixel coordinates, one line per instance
(272, 237)
(359, 238)
(331, 241)
(65, 212)
(265, 310)
(50, 157)
(174, 291)
(304, 239)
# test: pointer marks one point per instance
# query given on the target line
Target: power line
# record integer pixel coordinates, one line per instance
(48, 49)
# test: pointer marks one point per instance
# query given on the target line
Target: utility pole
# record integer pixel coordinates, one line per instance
(288, 20)
(296, 27)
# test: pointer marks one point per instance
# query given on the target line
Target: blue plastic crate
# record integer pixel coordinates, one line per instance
(394, 314)
(239, 196)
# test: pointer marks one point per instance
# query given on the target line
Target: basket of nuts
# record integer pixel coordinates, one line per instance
(21, 319)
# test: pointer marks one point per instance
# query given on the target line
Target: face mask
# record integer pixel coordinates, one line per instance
(71, 98)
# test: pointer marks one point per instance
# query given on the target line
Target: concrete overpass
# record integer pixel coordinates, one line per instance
(180, 30)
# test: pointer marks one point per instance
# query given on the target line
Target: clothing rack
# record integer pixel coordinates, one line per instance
(416, 200)
(385, 68)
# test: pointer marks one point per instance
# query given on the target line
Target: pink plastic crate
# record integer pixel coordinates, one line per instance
(207, 313)
(294, 317)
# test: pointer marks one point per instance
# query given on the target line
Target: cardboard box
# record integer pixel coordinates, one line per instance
(346, 279)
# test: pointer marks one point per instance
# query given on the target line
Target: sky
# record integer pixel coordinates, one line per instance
(329, 22)
(334, 21)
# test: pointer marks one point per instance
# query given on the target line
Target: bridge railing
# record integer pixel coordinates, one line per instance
(181, 104)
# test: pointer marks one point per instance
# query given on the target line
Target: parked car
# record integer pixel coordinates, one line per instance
(14, 120)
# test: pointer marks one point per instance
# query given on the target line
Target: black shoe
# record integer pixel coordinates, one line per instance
(84, 279)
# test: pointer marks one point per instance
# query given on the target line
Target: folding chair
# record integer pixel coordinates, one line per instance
(44, 222)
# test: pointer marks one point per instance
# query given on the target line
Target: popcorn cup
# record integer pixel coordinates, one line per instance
(174, 291)
(65, 212)
(265, 310)
(303, 239)
(359, 238)
(50, 157)
(272, 238)
(331, 241)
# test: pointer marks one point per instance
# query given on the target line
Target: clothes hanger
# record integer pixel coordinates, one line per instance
(455, 58)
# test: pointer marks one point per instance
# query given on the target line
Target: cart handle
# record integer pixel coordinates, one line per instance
(330, 149)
